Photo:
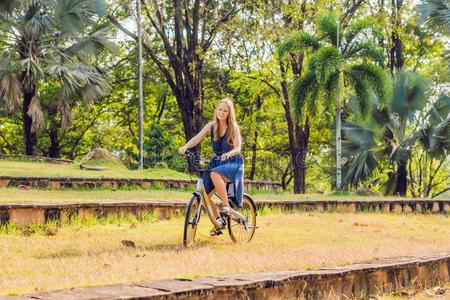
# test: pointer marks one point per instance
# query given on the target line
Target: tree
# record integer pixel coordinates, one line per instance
(410, 121)
(357, 59)
(48, 42)
(186, 31)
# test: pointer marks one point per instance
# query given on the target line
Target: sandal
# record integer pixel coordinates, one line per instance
(215, 232)
(218, 230)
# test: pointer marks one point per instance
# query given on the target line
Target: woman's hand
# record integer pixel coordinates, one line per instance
(225, 156)
(182, 150)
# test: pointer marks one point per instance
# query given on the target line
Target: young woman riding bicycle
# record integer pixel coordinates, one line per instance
(227, 165)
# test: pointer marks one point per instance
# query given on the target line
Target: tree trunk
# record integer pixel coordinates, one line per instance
(255, 137)
(192, 123)
(401, 185)
(55, 149)
(396, 52)
(30, 137)
(298, 140)
(302, 141)
(253, 166)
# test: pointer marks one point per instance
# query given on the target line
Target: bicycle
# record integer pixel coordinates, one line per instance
(241, 221)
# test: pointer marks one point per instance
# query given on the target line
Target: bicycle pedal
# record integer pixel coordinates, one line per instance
(215, 232)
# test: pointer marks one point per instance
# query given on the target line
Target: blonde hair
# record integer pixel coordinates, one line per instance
(233, 128)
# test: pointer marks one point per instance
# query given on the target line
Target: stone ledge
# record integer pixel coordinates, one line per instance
(25, 214)
(95, 182)
(37, 158)
(365, 279)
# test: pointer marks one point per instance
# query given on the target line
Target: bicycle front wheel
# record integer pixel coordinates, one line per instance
(239, 230)
(193, 213)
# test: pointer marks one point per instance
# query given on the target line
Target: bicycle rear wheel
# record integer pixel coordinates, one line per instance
(243, 231)
(191, 221)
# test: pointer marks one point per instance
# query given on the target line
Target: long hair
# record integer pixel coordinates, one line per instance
(233, 128)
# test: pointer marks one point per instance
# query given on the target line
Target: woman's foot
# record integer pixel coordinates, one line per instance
(215, 232)
(224, 209)
(218, 230)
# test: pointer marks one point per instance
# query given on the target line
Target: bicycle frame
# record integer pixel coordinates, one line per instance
(206, 201)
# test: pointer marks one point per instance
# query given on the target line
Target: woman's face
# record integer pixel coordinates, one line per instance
(222, 111)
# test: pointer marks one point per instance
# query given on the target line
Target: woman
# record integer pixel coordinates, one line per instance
(227, 165)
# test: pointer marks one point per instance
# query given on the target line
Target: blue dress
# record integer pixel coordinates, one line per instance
(232, 168)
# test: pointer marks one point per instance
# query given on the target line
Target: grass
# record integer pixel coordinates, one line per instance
(43, 169)
(14, 195)
(426, 294)
(80, 255)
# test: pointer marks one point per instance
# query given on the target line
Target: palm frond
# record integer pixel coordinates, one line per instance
(36, 114)
(439, 110)
(357, 146)
(436, 139)
(436, 14)
(399, 153)
(66, 113)
(327, 25)
(301, 90)
(330, 92)
(366, 30)
(363, 91)
(10, 92)
(80, 80)
(298, 41)
(37, 21)
(366, 50)
(7, 8)
(409, 94)
(87, 48)
(376, 78)
(74, 15)
(324, 63)
(32, 71)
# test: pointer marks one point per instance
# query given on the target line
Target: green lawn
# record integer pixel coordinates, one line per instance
(43, 169)
(294, 241)
(101, 195)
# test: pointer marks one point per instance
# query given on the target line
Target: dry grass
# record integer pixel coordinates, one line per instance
(101, 195)
(94, 255)
(43, 169)
(437, 292)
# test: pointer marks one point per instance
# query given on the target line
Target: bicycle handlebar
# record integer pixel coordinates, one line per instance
(191, 156)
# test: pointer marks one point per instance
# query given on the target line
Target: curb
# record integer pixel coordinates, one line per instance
(362, 280)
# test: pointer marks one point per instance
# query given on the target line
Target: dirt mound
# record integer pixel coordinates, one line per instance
(99, 159)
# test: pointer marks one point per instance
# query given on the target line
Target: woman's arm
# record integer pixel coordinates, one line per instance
(237, 146)
(196, 139)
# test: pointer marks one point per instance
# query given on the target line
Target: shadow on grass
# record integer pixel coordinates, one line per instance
(173, 247)
(73, 252)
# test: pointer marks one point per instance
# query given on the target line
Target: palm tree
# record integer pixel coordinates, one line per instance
(435, 13)
(351, 57)
(45, 41)
(365, 144)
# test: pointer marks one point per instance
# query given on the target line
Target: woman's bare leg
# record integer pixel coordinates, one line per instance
(220, 187)
(213, 205)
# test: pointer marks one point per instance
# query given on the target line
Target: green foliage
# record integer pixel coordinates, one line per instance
(327, 25)
(360, 159)
(298, 41)
(48, 41)
(159, 148)
(408, 121)
(368, 79)
(410, 94)
(436, 14)
(324, 63)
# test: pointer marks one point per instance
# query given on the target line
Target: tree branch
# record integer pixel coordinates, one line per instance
(150, 52)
